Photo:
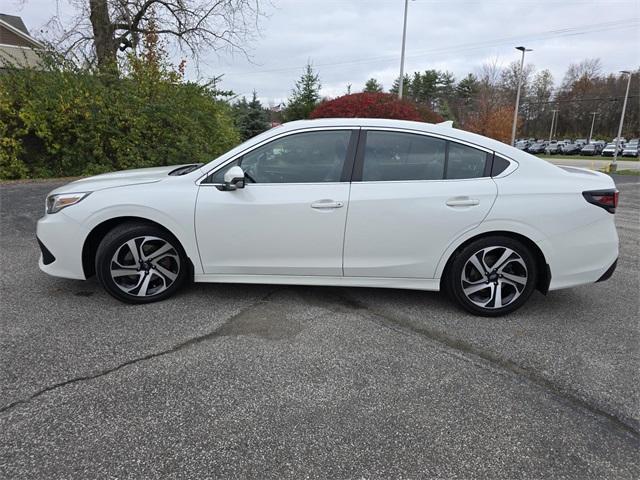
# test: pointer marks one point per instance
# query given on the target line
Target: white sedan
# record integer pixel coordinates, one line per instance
(343, 202)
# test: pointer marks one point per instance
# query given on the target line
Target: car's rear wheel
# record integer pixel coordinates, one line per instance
(140, 263)
(492, 276)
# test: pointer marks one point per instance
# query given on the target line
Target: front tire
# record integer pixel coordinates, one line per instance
(140, 263)
(492, 276)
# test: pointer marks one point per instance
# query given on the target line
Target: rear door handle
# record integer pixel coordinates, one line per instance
(462, 202)
(324, 204)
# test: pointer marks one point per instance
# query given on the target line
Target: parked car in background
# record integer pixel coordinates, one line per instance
(571, 149)
(631, 149)
(581, 141)
(591, 149)
(537, 147)
(463, 213)
(522, 145)
(610, 149)
(554, 148)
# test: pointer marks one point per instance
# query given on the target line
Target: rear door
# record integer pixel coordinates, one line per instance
(412, 195)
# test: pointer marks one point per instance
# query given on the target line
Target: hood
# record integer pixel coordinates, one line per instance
(118, 179)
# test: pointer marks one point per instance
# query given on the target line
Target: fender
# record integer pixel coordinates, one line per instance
(184, 236)
(489, 226)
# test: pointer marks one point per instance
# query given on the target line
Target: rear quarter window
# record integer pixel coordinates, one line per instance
(499, 165)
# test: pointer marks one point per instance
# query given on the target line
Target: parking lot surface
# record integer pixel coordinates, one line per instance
(241, 381)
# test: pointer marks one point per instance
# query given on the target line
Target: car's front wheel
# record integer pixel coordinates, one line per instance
(140, 263)
(492, 276)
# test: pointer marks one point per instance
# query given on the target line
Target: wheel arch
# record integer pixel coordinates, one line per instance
(544, 272)
(97, 233)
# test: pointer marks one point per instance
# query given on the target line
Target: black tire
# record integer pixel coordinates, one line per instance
(521, 265)
(167, 273)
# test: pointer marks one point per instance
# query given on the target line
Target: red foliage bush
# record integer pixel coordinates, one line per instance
(370, 105)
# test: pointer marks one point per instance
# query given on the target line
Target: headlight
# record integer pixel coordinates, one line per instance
(57, 202)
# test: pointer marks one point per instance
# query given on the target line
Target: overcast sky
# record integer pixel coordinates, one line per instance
(349, 41)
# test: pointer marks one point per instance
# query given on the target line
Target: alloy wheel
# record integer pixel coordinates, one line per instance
(145, 266)
(494, 277)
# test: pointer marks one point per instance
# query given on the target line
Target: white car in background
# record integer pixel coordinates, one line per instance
(631, 148)
(610, 149)
(342, 202)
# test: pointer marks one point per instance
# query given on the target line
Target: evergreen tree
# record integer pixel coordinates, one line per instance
(240, 109)
(406, 86)
(372, 86)
(256, 120)
(467, 88)
(304, 97)
(250, 118)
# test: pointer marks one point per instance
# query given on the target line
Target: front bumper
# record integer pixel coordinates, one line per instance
(61, 240)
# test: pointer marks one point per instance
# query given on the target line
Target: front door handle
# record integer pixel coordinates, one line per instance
(462, 202)
(322, 204)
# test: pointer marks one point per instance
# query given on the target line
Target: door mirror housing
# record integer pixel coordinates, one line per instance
(234, 178)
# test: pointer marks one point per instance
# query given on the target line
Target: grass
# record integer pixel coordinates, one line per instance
(627, 172)
(580, 157)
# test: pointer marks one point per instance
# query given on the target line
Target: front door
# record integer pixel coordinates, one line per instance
(290, 217)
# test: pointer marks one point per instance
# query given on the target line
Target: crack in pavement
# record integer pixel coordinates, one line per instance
(217, 332)
(459, 348)
(471, 353)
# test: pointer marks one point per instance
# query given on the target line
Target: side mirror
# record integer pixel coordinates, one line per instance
(234, 178)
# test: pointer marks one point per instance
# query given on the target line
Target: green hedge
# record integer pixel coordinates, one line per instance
(65, 123)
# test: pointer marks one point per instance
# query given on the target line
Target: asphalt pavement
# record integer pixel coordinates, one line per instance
(242, 381)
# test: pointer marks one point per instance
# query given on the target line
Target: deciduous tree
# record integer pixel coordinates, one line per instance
(103, 27)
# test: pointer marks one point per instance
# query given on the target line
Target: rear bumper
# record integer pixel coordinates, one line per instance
(585, 255)
(607, 275)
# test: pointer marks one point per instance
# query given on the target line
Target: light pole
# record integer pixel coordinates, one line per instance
(515, 112)
(404, 41)
(614, 165)
(553, 119)
(593, 121)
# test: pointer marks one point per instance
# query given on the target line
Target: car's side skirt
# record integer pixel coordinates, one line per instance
(431, 284)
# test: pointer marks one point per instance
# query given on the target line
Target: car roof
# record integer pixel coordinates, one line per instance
(444, 129)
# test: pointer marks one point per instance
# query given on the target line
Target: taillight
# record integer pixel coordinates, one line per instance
(607, 199)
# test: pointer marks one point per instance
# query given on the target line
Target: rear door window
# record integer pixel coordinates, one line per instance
(399, 156)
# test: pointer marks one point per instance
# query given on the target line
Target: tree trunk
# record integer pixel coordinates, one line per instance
(103, 35)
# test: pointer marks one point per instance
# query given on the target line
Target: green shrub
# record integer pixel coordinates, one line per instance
(64, 122)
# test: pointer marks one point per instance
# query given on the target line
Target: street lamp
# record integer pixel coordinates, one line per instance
(553, 120)
(593, 121)
(614, 165)
(515, 112)
(404, 41)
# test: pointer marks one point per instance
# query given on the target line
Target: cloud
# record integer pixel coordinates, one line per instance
(350, 41)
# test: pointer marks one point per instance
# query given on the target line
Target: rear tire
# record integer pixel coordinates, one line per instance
(492, 276)
(140, 263)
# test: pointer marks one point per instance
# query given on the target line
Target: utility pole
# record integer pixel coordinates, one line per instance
(614, 165)
(404, 42)
(520, 78)
(593, 121)
(553, 119)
